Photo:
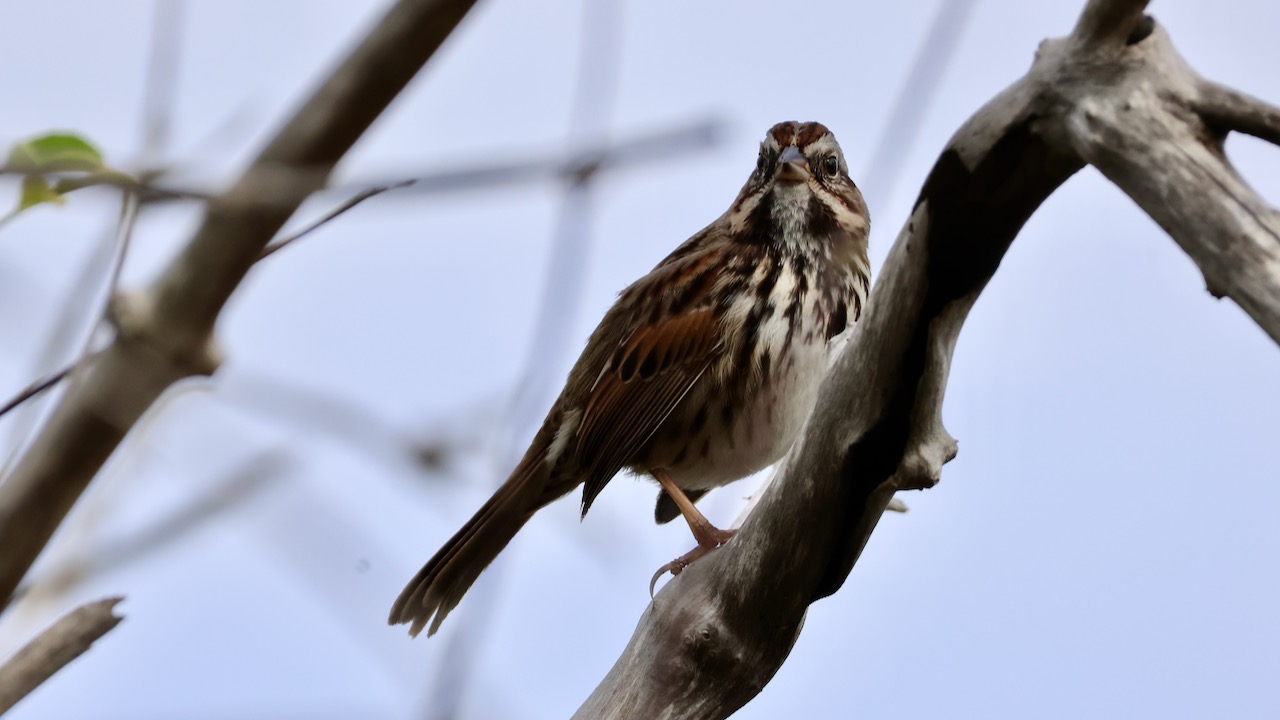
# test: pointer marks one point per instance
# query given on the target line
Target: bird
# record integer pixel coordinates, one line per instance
(701, 373)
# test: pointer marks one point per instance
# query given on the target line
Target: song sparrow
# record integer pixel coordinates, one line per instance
(701, 373)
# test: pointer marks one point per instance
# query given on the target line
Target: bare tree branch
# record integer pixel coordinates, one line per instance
(331, 215)
(52, 649)
(1114, 93)
(79, 320)
(1107, 23)
(1226, 109)
(165, 333)
(1143, 131)
(162, 78)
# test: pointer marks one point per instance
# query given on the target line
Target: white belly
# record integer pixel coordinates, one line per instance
(760, 435)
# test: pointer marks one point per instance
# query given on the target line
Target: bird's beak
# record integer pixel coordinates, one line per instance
(792, 166)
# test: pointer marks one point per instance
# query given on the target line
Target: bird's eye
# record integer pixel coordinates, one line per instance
(831, 164)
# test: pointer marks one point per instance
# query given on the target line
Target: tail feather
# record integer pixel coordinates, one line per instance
(441, 583)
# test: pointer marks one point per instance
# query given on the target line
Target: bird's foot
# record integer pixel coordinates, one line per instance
(709, 539)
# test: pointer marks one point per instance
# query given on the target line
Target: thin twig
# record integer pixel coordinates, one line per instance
(72, 319)
(678, 142)
(36, 388)
(594, 94)
(917, 95)
(52, 649)
(354, 201)
(69, 181)
(124, 233)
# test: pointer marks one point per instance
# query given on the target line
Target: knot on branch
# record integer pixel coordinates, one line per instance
(584, 169)
(921, 466)
(176, 352)
(709, 648)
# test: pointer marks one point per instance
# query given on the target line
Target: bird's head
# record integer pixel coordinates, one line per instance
(800, 190)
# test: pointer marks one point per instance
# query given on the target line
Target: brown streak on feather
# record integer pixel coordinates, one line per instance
(625, 408)
(837, 321)
(810, 133)
(783, 133)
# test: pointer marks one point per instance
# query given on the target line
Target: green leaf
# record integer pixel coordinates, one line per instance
(36, 190)
(55, 152)
(58, 153)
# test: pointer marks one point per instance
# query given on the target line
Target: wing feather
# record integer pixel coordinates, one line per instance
(646, 378)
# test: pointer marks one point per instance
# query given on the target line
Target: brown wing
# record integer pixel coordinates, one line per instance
(647, 376)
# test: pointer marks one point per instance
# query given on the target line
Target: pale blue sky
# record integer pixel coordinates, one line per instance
(1103, 546)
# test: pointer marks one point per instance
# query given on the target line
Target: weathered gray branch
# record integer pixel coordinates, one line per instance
(52, 649)
(1114, 93)
(1104, 24)
(1156, 130)
(1225, 109)
(165, 333)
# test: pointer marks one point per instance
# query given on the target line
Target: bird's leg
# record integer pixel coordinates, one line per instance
(709, 536)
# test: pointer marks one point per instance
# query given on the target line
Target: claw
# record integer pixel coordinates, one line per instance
(675, 566)
(709, 536)
(715, 539)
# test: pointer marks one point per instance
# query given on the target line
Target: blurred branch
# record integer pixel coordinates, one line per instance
(147, 189)
(162, 78)
(592, 105)
(124, 234)
(650, 148)
(342, 420)
(165, 332)
(1115, 94)
(332, 214)
(911, 107)
(274, 180)
(160, 88)
(52, 649)
(79, 320)
(80, 314)
(246, 483)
